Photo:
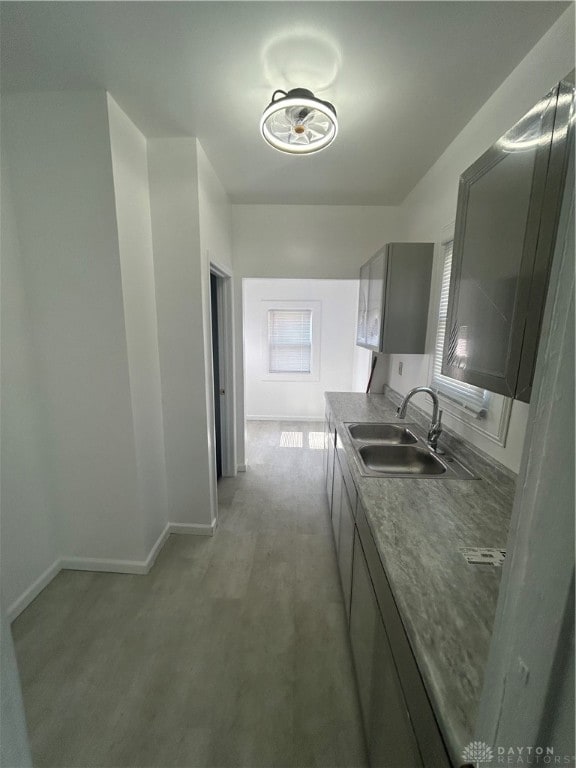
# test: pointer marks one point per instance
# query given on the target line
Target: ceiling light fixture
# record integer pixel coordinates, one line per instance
(298, 123)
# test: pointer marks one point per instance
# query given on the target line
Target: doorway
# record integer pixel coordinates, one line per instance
(222, 370)
(216, 372)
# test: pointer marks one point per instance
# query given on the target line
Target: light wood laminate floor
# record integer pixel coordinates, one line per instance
(232, 651)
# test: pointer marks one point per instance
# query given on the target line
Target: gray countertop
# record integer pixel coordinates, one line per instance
(419, 525)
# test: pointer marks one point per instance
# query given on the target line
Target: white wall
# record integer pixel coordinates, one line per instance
(14, 747)
(299, 399)
(29, 539)
(59, 150)
(215, 214)
(132, 199)
(107, 432)
(181, 306)
(323, 241)
(431, 205)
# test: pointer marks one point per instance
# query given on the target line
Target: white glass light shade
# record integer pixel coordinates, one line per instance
(299, 123)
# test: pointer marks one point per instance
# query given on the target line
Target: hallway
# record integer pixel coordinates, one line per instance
(232, 651)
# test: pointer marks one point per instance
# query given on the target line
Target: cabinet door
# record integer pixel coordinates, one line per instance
(497, 224)
(558, 180)
(363, 304)
(337, 490)
(345, 546)
(394, 296)
(389, 736)
(375, 300)
(407, 295)
(329, 467)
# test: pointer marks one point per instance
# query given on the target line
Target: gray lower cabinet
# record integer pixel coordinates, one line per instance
(329, 433)
(342, 500)
(337, 488)
(390, 738)
(399, 723)
(346, 544)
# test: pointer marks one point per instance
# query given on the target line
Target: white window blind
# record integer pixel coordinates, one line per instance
(289, 341)
(467, 396)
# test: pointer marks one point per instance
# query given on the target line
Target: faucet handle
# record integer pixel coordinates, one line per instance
(435, 432)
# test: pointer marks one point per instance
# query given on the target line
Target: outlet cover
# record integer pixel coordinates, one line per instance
(484, 555)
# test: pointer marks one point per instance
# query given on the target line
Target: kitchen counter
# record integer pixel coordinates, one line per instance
(447, 606)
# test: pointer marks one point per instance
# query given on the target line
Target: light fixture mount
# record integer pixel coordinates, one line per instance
(298, 123)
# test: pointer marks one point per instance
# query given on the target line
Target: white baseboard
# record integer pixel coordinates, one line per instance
(105, 565)
(33, 590)
(285, 418)
(241, 468)
(157, 546)
(196, 529)
(118, 566)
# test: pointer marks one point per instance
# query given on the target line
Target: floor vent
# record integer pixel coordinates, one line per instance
(484, 555)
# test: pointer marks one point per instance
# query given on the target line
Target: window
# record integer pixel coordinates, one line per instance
(289, 341)
(465, 395)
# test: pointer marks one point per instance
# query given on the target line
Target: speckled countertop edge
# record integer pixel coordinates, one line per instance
(447, 606)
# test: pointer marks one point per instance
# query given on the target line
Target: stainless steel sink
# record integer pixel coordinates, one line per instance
(393, 434)
(400, 460)
(400, 450)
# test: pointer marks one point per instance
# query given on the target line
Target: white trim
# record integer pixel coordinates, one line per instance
(118, 566)
(33, 590)
(196, 529)
(285, 418)
(463, 416)
(241, 467)
(104, 565)
(157, 546)
(447, 234)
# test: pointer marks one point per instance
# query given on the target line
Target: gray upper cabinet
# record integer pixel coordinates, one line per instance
(506, 221)
(363, 304)
(394, 296)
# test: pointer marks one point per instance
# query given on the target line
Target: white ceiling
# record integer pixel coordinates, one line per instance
(405, 78)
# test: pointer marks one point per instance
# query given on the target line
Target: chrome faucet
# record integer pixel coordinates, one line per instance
(435, 425)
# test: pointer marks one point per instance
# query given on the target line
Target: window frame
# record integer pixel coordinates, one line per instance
(296, 323)
(314, 307)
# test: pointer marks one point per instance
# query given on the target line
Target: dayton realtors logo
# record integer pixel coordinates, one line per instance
(479, 754)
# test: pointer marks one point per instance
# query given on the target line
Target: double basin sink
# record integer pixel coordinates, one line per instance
(396, 450)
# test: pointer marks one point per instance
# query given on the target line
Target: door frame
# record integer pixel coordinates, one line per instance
(225, 311)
